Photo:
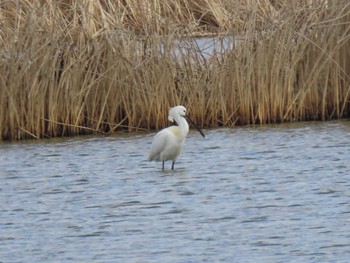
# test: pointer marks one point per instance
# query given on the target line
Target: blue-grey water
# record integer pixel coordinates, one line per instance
(252, 194)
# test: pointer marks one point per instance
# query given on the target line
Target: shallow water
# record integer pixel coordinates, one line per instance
(268, 194)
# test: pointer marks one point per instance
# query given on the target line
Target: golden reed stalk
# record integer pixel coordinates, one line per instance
(79, 66)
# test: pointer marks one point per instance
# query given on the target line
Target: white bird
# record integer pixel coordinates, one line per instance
(167, 144)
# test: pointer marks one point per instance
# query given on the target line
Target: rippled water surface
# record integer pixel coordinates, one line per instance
(265, 194)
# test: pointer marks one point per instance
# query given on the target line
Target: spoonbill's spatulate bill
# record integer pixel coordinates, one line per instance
(168, 143)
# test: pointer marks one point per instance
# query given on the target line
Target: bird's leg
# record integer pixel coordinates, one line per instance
(172, 166)
(163, 165)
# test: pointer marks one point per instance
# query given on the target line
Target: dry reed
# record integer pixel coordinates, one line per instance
(73, 67)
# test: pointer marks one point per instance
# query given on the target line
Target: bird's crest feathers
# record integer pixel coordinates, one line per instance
(170, 117)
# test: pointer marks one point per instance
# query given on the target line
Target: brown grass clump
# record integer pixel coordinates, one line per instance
(72, 67)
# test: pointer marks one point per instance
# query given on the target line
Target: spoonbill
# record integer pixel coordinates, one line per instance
(167, 144)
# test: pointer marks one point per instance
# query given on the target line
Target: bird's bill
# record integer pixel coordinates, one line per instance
(198, 129)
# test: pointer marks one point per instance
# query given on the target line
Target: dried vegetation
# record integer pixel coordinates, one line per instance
(80, 66)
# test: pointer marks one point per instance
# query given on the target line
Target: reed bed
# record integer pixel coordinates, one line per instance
(78, 66)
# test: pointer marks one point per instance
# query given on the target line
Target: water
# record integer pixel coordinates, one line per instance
(204, 48)
(267, 194)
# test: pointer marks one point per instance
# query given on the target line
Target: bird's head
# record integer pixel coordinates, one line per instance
(176, 111)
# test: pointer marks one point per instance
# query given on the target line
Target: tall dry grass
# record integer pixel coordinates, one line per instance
(71, 67)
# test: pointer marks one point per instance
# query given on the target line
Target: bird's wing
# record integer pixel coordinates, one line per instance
(158, 145)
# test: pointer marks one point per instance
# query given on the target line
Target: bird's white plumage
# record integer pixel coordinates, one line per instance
(167, 144)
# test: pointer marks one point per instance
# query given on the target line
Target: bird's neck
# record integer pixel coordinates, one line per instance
(183, 125)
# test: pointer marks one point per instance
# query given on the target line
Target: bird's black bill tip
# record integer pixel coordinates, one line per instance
(198, 129)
